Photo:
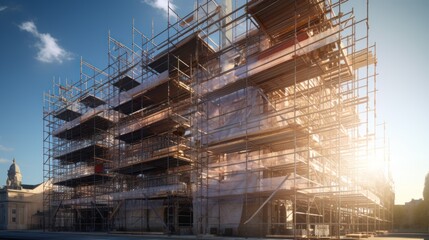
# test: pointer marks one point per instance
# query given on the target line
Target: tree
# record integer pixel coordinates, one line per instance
(426, 190)
(426, 200)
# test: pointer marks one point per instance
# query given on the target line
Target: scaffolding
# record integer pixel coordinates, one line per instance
(248, 118)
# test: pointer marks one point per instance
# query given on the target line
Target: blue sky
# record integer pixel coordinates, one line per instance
(400, 30)
(44, 40)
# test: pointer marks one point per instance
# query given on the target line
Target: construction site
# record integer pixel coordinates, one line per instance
(242, 118)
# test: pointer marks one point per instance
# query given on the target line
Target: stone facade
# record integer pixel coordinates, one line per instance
(21, 205)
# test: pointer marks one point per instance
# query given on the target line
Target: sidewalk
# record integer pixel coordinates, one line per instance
(36, 235)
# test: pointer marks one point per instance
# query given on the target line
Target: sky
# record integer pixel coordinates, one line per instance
(44, 40)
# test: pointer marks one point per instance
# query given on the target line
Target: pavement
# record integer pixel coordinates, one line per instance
(39, 235)
(36, 235)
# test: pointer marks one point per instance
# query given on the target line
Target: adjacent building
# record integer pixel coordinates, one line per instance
(256, 118)
(411, 216)
(21, 205)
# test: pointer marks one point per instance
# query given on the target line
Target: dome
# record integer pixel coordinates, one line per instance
(14, 176)
(14, 168)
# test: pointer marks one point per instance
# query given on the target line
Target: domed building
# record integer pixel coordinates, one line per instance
(21, 205)
(14, 177)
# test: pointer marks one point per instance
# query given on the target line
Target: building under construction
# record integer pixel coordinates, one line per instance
(242, 118)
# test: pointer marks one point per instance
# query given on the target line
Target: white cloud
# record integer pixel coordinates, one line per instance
(5, 149)
(161, 5)
(4, 161)
(2, 8)
(49, 50)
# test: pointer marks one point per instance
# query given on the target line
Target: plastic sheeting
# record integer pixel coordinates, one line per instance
(241, 183)
(151, 192)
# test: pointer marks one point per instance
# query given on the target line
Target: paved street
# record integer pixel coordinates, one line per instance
(38, 235)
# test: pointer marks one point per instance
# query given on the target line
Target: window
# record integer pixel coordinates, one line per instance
(2, 214)
(13, 215)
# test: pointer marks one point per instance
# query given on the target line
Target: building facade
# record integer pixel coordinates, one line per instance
(21, 205)
(411, 217)
(255, 119)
